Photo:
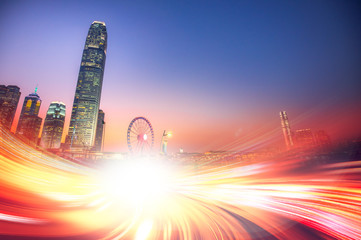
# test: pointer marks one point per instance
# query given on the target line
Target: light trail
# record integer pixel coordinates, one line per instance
(45, 196)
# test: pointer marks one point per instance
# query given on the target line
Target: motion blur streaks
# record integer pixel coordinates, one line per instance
(44, 196)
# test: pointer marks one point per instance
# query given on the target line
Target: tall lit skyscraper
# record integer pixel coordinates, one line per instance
(286, 129)
(53, 125)
(84, 115)
(9, 99)
(29, 121)
(100, 131)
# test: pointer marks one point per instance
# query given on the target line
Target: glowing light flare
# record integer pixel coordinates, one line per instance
(19, 219)
(137, 182)
(147, 199)
(143, 230)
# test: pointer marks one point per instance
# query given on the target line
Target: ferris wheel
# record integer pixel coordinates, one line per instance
(140, 135)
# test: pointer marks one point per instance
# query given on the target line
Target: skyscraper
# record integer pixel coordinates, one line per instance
(53, 125)
(99, 132)
(29, 121)
(84, 113)
(286, 129)
(9, 99)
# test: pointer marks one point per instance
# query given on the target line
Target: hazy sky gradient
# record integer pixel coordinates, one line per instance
(211, 71)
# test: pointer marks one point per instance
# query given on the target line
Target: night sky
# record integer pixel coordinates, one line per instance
(216, 73)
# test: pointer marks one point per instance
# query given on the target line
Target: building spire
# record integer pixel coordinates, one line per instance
(36, 88)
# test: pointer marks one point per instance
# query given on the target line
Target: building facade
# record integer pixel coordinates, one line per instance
(322, 138)
(29, 121)
(99, 132)
(84, 115)
(9, 99)
(304, 138)
(53, 126)
(286, 129)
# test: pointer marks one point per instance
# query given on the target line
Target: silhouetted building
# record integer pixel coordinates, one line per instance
(83, 121)
(304, 138)
(9, 99)
(286, 129)
(100, 130)
(29, 122)
(53, 125)
(322, 138)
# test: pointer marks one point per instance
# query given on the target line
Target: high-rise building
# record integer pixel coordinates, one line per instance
(9, 99)
(29, 121)
(99, 131)
(83, 121)
(304, 138)
(53, 125)
(286, 129)
(322, 138)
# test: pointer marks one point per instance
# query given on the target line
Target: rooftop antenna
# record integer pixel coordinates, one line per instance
(36, 88)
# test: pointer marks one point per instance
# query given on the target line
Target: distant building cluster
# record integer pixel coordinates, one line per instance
(86, 128)
(302, 138)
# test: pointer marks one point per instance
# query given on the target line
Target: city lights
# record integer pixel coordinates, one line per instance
(189, 120)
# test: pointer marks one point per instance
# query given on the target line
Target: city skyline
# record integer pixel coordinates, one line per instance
(182, 90)
(211, 120)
